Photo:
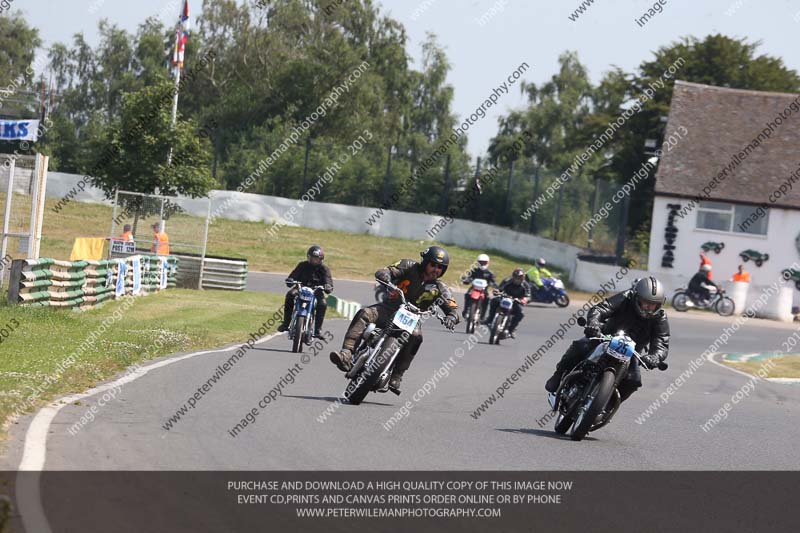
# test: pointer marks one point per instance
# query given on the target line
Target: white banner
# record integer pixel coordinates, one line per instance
(19, 130)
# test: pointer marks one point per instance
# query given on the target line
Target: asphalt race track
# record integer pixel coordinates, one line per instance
(439, 432)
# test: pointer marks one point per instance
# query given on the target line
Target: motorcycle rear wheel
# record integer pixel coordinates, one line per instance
(679, 302)
(604, 388)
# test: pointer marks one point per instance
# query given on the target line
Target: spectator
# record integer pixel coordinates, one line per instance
(741, 275)
(704, 260)
(127, 234)
(160, 241)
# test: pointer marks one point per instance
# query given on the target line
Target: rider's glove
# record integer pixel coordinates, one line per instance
(289, 282)
(523, 301)
(651, 361)
(328, 288)
(591, 331)
(383, 276)
(450, 322)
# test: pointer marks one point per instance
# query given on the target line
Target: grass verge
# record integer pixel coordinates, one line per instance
(179, 319)
(787, 366)
(355, 256)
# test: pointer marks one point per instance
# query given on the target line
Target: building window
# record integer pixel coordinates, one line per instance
(720, 216)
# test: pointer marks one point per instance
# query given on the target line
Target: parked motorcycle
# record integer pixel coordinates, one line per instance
(476, 295)
(551, 291)
(301, 328)
(683, 300)
(377, 349)
(498, 329)
(588, 396)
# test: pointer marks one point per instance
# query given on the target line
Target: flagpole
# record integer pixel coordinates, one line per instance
(174, 107)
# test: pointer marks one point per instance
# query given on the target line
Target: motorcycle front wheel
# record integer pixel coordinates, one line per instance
(360, 385)
(471, 319)
(562, 300)
(299, 329)
(725, 306)
(603, 388)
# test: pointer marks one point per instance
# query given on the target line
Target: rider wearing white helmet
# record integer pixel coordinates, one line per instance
(479, 271)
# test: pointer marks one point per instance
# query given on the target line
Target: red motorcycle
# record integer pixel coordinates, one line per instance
(476, 295)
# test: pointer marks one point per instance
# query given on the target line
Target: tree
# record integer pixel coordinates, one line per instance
(133, 156)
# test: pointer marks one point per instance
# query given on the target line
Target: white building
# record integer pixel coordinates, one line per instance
(729, 178)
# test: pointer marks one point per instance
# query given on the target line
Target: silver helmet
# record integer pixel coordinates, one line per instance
(648, 297)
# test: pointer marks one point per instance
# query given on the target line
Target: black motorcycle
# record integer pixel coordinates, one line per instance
(683, 300)
(588, 396)
(377, 349)
(498, 328)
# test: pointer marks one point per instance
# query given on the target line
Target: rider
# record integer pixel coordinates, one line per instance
(700, 283)
(637, 311)
(421, 286)
(535, 274)
(480, 271)
(310, 273)
(516, 287)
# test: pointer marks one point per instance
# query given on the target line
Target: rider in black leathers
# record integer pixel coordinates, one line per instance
(516, 287)
(698, 285)
(639, 313)
(311, 273)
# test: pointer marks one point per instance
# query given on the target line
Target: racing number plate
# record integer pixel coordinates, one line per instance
(405, 320)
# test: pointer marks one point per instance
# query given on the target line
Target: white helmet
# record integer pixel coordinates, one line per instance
(483, 261)
(706, 268)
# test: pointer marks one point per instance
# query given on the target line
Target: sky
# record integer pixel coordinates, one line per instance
(486, 40)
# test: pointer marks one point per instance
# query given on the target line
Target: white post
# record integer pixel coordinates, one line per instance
(40, 172)
(205, 240)
(7, 216)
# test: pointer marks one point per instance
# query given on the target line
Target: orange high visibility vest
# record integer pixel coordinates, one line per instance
(160, 244)
(744, 276)
(127, 236)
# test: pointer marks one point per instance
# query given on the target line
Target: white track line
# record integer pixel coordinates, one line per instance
(745, 374)
(35, 447)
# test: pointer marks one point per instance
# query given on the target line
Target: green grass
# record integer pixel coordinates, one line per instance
(784, 367)
(355, 256)
(181, 319)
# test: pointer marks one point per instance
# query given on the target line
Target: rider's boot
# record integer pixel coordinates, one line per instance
(343, 359)
(395, 380)
(284, 326)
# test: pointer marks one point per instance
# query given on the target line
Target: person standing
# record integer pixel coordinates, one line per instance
(741, 275)
(160, 240)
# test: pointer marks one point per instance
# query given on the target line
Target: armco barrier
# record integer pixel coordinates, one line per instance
(82, 284)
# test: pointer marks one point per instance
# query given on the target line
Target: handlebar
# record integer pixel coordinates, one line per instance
(409, 305)
(296, 283)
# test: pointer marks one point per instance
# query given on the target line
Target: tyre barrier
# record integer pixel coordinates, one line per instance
(85, 284)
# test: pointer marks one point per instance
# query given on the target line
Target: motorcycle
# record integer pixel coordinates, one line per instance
(551, 291)
(588, 396)
(498, 329)
(683, 300)
(377, 349)
(301, 328)
(476, 295)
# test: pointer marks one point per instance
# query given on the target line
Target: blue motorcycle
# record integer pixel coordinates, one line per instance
(551, 291)
(301, 329)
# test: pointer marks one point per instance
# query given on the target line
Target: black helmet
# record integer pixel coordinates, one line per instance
(315, 251)
(518, 273)
(435, 254)
(648, 290)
